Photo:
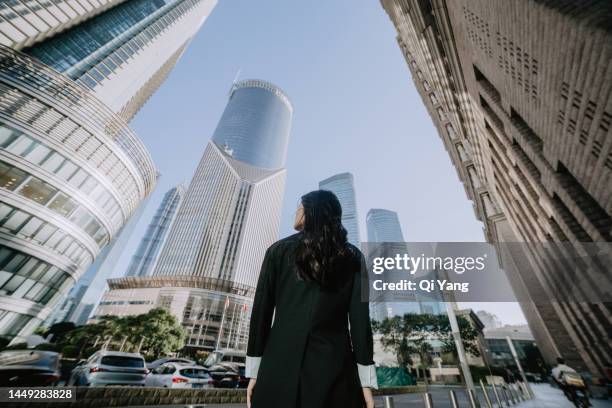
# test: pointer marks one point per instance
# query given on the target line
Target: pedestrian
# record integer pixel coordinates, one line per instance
(310, 340)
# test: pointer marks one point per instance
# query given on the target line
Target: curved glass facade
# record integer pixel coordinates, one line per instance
(256, 124)
(343, 186)
(71, 175)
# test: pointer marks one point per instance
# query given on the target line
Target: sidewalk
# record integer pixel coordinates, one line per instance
(545, 397)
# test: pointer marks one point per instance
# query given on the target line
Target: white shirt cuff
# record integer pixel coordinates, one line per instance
(367, 376)
(252, 367)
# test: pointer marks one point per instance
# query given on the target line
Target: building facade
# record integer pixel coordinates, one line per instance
(229, 217)
(126, 52)
(343, 186)
(383, 226)
(520, 95)
(71, 175)
(144, 260)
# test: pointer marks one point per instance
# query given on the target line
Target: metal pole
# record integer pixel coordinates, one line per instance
(518, 363)
(453, 399)
(427, 400)
(465, 368)
(486, 396)
(505, 395)
(388, 402)
(516, 392)
(499, 403)
(474, 402)
(510, 397)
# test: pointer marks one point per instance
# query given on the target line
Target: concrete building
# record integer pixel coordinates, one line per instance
(343, 186)
(520, 93)
(208, 268)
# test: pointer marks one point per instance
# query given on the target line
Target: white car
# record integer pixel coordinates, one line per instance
(175, 375)
(110, 368)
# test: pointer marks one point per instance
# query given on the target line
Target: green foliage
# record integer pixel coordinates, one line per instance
(412, 334)
(70, 351)
(47, 347)
(154, 334)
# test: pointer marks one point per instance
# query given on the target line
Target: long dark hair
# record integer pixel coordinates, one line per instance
(323, 240)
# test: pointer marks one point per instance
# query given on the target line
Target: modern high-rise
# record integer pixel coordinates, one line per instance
(521, 95)
(343, 186)
(383, 226)
(72, 173)
(144, 260)
(124, 53)
(208, 267)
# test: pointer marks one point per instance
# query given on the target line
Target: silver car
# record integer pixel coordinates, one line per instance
(110, 368)
(176, 375)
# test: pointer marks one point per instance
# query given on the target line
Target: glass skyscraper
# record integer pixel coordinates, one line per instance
(72, 173)
(126, 52)
(383, 226)
(148, 251)
(343, 186)
(208, 267)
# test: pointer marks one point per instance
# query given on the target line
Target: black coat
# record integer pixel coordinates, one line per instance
(309, 354)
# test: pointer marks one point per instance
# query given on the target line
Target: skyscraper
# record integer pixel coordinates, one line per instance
(148, 251)
(520, 92)
(71, 175)
(343, 186)
(71, 171)
(126, 52)
(208, 268)
(383, 226)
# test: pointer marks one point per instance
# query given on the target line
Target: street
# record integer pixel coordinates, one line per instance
(546, 397)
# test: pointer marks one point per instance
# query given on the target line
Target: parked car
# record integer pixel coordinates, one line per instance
(176, 375)
(29, 368)
(110, 368)
(225, 356)
(228, 375)
(153, 365)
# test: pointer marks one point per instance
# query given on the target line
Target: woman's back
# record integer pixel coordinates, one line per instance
(318, 351)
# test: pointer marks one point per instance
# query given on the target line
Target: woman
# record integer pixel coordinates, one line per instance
(318, 353)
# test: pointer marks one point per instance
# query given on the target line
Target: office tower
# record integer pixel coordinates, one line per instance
(71, 175)
(148, 251)
(383, 226)
(208, 267)
(25, 22)
(520, 92)
(71, 171)
(126, 52)
(343, 186)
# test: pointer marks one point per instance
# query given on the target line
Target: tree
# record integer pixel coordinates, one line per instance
(413, 334)
(155, 333)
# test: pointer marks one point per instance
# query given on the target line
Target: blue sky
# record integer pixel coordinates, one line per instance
(356, 110)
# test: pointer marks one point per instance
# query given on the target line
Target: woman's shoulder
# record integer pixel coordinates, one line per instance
(284, 243)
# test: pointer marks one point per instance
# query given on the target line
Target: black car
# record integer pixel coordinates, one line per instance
(29, 368)
(228, 375)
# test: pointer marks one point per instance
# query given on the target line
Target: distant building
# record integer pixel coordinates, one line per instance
(489, 320)
(383, 226)
(527, 350)
(144, 260)
(343, 186)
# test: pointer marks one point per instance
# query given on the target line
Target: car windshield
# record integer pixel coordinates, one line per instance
(122, 361)
(194, 373)
(27, 357)
(212, 359)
